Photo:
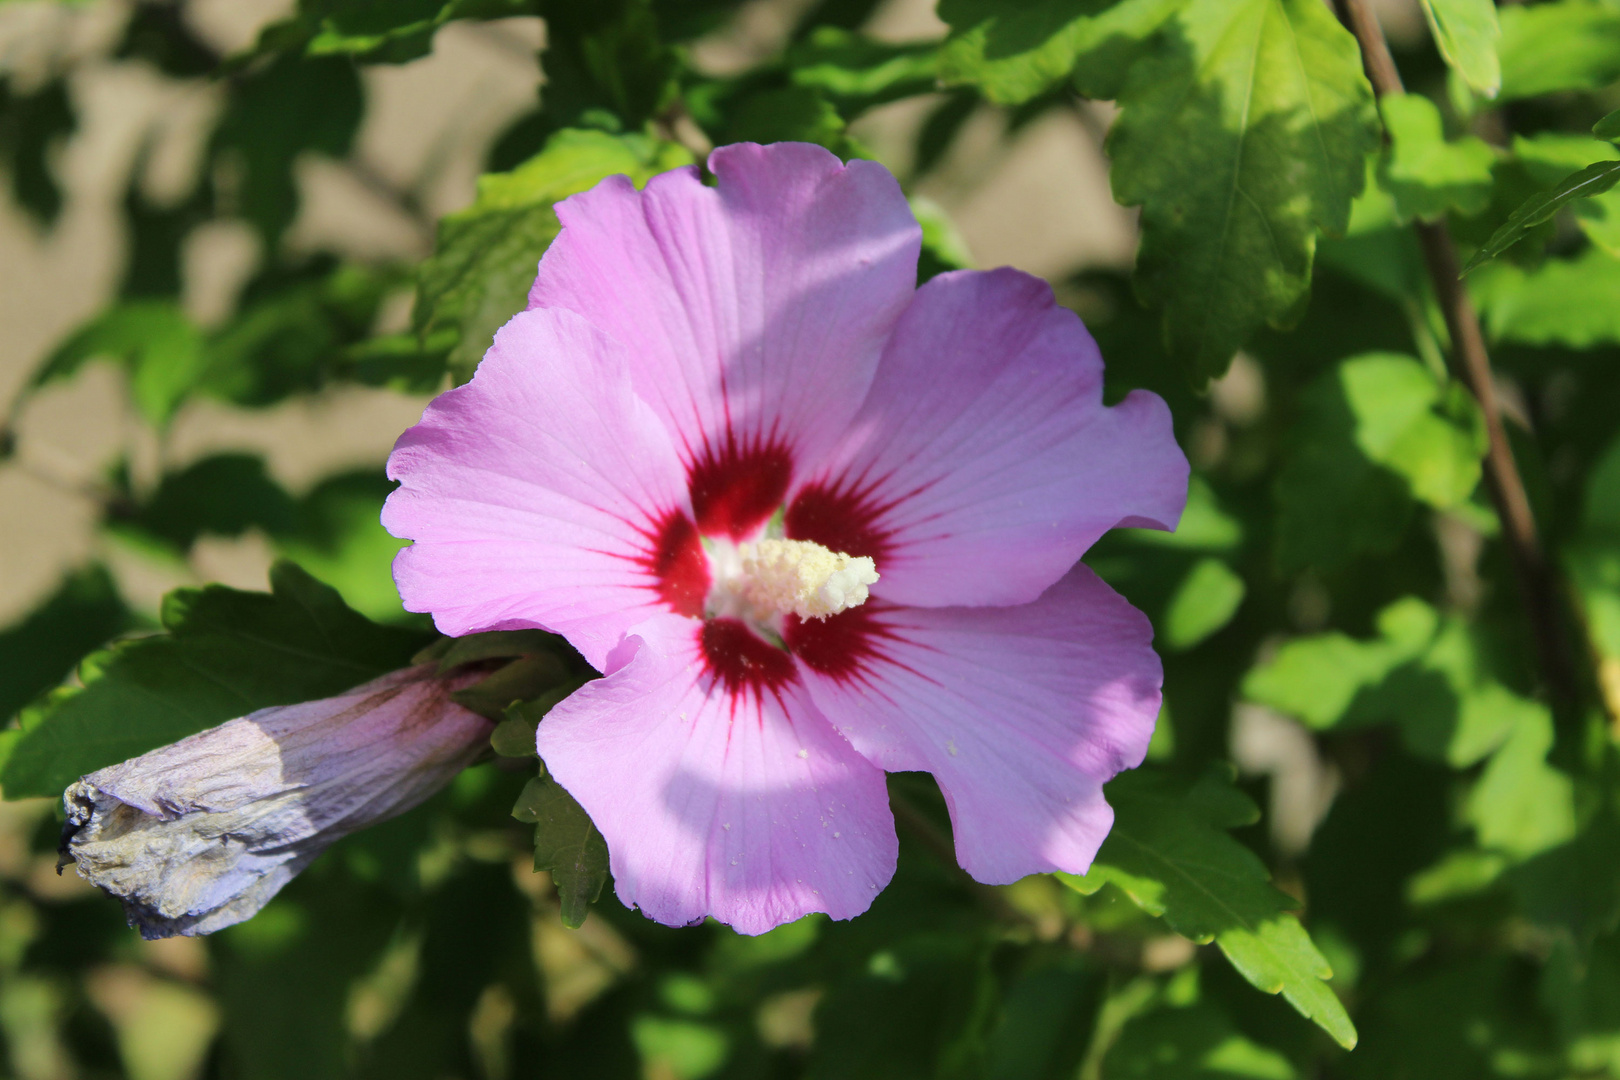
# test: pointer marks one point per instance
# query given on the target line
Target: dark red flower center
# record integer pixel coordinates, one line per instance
(735, 487)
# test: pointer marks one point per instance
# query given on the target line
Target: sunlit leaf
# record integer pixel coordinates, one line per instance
(1426, 174)
(1169, 852)
(1241, 136)
(1466, 32)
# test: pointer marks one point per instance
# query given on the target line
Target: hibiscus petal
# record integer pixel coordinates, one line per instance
(754, 310)
(983, 463)
(543, 493)
(1021, 713)
(745, 806)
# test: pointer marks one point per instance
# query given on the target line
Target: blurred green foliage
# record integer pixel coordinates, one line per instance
(1446, 900)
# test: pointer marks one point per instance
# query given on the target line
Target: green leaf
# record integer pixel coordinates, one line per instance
(855, 73)
(275, 112)
(1426, 174)
(1549, 157)
(223, 495)
(1422, 673)
(377, 31)
(297, 327)
(1561, 302)
(524, 679)
(1373, 434)
(1197, 1043)
(1522, 805)
(485, 257)
(1241, 135)
(337, 535)
(1014, 53)
(32, 125)
(225, 654)
(157, 345)
(566, 844)
(1595, 179)
(1569, 45)
(1206, 600)
(1466, 32)
(38, 652)
(1170, 854)
(491, 645)
(1608, 127)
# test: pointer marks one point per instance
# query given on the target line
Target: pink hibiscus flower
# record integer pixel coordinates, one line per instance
(727, 416)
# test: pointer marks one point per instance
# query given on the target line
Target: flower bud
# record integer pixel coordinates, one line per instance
(200, 834)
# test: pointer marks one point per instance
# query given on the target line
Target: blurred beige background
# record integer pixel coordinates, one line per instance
(1040, 202)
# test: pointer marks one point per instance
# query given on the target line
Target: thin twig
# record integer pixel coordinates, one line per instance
(1473, 364)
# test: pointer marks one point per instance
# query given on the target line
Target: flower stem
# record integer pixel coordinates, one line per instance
(1473, 363)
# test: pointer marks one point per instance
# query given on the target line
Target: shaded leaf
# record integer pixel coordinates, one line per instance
(225, 654)
(1241, 135)
(31, 126)
(566, 844)
(1562, 301)
(1608, 127)
(1569, 45)
(1522, 805)
(1374, 433)
(1196, 1043)
(1595, 179)
(157, 345)
(1466, 32)
(377, 31)
(856, 73)
(1169, 853)
(39, 651)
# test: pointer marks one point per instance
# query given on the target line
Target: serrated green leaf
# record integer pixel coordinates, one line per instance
(154, 341)
(1595, 179)
(1241, 135)
(485, 258)
(1424, 173)
(566, 843)
(225, 654)
(1174, 862)
(1014, 53)
(1466, 32)
(1561, 302)
(1569, 45)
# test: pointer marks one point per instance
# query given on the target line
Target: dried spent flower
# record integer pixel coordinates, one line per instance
(200, 834)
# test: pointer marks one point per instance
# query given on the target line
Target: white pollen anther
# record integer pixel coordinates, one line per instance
(802, 577)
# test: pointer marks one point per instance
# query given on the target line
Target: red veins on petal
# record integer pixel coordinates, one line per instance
(736, 487)
(840, 646)
(679, 569)
(741, 660)
(839, 519)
